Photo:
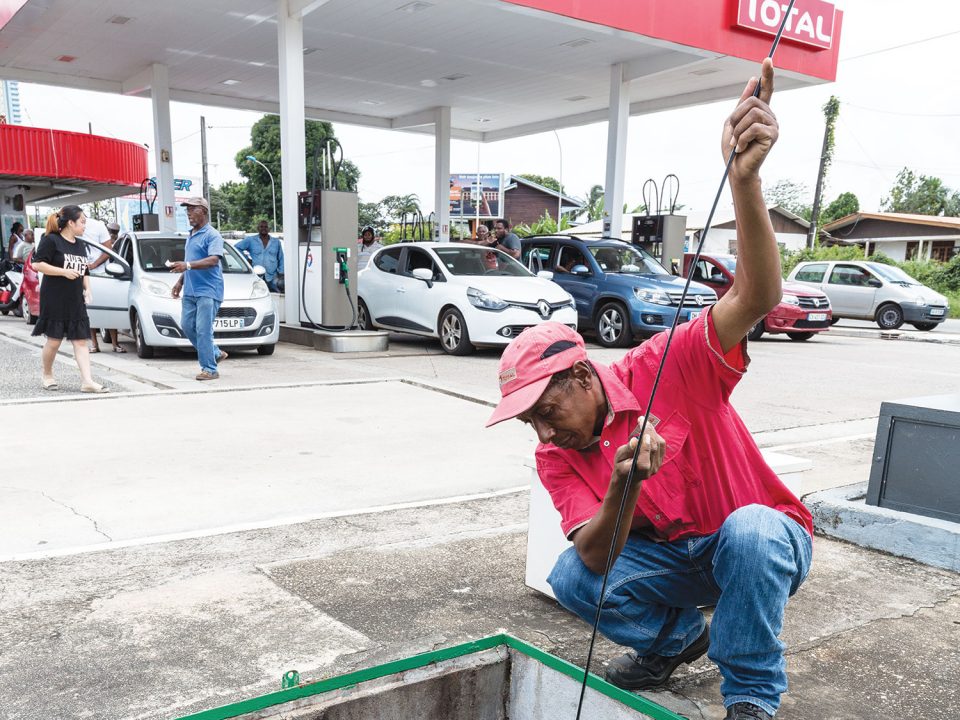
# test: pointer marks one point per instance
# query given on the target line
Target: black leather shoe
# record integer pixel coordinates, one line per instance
(747, 711)
(645, 673)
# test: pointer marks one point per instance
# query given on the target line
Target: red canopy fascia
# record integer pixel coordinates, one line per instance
(61, 155)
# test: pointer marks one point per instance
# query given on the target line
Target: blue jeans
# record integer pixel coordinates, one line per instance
(197, 321)
(747, 569)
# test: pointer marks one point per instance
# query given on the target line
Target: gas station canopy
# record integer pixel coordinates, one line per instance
(505, 68)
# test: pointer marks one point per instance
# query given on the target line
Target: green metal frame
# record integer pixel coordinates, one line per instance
(635, 702)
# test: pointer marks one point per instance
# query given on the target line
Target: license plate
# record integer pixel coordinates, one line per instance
(937, 311)
(227, 323)
(816, 317)
(694, 314)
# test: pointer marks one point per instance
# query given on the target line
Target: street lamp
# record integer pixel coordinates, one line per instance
(273, 188)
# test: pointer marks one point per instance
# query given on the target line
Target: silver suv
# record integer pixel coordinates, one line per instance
(874, 291)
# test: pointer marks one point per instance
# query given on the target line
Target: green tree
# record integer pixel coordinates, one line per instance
(227, 206)
(370, 213)
(594, 206)
(789, 195)
(920, 195)
(545, 180)
(845, 204)
(265, 147)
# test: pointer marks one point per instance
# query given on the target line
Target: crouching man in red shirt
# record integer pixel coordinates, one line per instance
(711, 524)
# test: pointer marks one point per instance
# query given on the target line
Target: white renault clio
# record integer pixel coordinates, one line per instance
(131, 293)
(466, 295)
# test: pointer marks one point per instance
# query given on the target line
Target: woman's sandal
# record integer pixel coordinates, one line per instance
(94, 350)
(98, 389)
(119, 349)
(50, 384)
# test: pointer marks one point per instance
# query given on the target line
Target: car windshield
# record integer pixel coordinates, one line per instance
(479, 261)
(156, 252)
(892, 273)
(626, 259)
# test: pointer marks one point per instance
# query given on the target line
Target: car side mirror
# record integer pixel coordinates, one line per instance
(874, 283)
(719, 279)
(545, 274)
(115, 269)
(580, 270)
(424, 274)
(259, 270)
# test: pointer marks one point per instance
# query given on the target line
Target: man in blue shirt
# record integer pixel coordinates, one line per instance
(267, 251)
(201, 281)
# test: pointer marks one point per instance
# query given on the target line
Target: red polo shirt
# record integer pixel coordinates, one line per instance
(712, 465)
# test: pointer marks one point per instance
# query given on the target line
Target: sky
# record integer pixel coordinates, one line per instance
(900, 107)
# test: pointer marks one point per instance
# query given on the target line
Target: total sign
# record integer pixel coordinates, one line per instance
(810, 21)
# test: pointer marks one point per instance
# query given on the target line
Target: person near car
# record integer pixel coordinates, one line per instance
(95, 231)
(267, 251)
(483, 234)
(707, 522)
(201, 283)
(16, 236)
(23, 247)
(64, 296)
(366, 246)
(505, 240)
(113, 233)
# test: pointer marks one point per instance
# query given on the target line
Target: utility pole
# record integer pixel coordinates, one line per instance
(831, 110)
(203, 158)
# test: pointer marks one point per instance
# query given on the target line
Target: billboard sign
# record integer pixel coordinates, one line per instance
(810, 22)
(468, 190)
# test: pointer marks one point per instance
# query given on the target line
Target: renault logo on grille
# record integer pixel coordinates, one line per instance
(544, 307)
(816, 302)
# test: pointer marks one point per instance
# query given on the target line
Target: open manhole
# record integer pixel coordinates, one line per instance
(497, 678)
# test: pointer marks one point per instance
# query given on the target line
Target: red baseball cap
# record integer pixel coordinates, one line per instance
(530, 361)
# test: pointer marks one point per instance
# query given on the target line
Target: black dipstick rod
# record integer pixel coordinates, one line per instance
(656, 383)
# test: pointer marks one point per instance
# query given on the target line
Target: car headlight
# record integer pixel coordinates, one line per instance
(790, 299)
(154, 287)
(657, 297)
(570, 301)
(260, 289)
(484, 300)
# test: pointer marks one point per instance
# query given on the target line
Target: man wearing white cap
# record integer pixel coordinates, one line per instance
(201, 281)
(706, 521)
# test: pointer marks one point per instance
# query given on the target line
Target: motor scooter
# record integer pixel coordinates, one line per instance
(11, 279)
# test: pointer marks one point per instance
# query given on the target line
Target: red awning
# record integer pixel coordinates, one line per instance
(47, 166)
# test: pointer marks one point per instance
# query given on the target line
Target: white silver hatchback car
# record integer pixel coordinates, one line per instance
(131, 293)
(466, 295)
(866, 290)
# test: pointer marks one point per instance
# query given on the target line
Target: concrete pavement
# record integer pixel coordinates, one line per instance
(148, 589)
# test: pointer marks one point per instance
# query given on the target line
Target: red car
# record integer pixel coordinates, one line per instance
(30, 292)
(802, 312)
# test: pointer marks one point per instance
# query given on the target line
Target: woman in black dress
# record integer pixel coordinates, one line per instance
(64, 296)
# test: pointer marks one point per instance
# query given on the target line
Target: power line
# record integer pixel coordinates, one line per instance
(903, 45)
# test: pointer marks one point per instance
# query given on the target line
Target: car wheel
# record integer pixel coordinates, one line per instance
(756, 332)
(143, 350)
(924, 326)
(889, 317)
(454, 336)
(613, 326)
(363, 316)
(28, 317)
(105, 335)
(834, 320)
(801, 336)
(266, 349)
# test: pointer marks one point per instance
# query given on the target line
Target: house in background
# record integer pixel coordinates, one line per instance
(900, 236)
(790, 230)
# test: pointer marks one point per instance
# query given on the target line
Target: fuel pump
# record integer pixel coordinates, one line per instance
(328, 258)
